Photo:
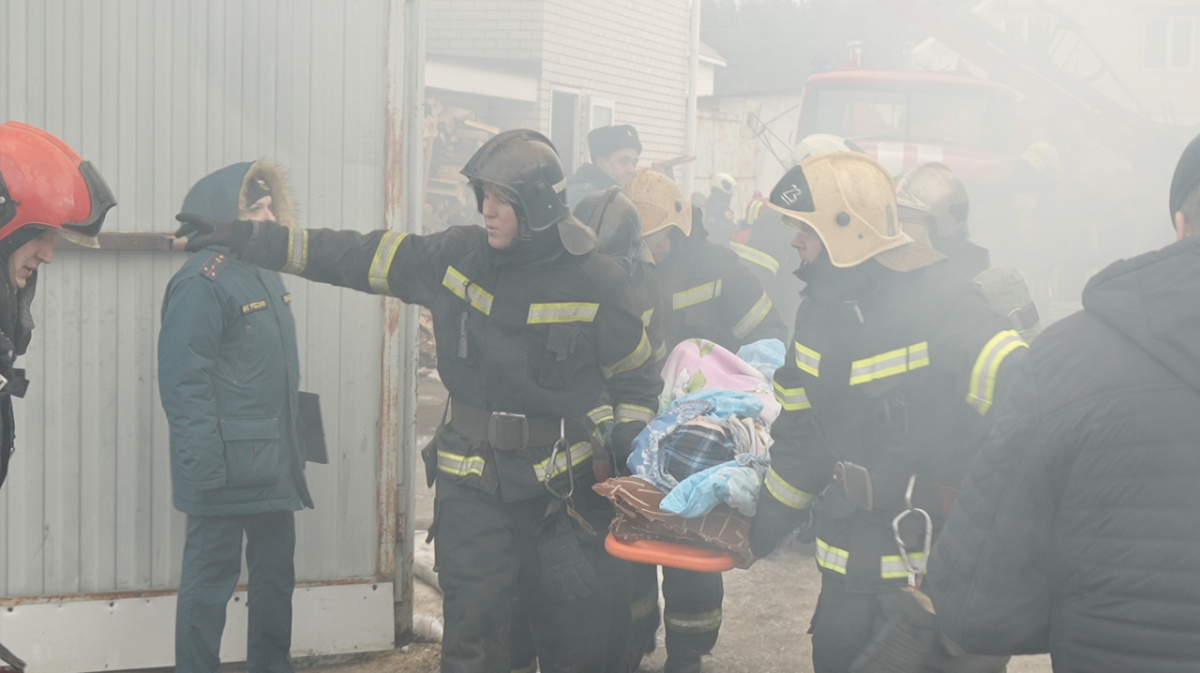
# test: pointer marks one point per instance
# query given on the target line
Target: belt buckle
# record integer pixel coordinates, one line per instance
(507, 431)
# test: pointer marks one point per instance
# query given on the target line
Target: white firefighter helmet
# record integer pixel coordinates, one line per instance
(849, 200)
(931, 195)
(724, 182)
(659, 202)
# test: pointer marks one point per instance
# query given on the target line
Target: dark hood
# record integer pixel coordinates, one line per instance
(221, 195)
(1154, 301)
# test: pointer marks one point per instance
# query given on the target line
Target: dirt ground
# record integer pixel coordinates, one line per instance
(766, 609)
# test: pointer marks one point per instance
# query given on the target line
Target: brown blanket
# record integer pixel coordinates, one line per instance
(639, 518)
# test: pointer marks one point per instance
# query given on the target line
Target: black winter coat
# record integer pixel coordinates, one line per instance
(1077, 531)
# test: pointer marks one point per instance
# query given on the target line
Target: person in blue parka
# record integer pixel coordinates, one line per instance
(229, 381)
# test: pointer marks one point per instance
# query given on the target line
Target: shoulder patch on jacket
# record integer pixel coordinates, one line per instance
(214, 265)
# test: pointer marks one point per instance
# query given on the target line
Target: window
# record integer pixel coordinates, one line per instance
(564, 126)
(1167, 43)
(601, 113)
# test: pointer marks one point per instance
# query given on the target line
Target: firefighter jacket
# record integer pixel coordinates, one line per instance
(706, 293)
(543, 337)
(1077, 531)
(892, 372)
(769, 254)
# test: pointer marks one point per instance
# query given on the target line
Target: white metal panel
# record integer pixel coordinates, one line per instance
(128, 633)
(159, 94)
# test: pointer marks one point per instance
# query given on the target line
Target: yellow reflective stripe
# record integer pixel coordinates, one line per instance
(792, 399)
(890, 363)
(297, 251)
(630, 362)
(892, 567)
(643, 606)
(580, 451)
(600, 414)
(785, 492)
(807, 359)
(377, 276)
(832, 558)
(696, 295)
(752, 213)
(755, 256)
(557, 312)
(982, 389)
(633, 412)
(457, 465)
(647, 315)
(660, 353)
(753, 317)
(460, 285)
(698, 622)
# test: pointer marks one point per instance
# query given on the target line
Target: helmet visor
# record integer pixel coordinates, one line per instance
(102, 201)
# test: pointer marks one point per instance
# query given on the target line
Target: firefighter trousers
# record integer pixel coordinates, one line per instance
(692, 615)
(212, 561)
(488, 568)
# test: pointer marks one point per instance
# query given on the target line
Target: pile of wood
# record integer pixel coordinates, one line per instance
(454, 135)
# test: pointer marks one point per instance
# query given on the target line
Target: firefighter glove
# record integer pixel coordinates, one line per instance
(621, 442)
(566, 573)
(202, 232)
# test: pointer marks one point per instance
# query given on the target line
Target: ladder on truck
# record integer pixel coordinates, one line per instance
(1044, 74)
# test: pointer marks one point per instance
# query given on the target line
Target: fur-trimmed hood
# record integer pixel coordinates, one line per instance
(221, 195)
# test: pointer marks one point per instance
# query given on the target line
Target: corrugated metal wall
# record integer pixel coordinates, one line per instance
(158, 94)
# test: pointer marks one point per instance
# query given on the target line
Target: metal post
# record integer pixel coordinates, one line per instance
(689, 169)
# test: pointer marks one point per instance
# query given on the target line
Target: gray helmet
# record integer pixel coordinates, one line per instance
(617, 224)
(931, 194)
(525, 165)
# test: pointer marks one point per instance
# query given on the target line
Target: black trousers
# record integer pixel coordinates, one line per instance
(488, 568)
(212, 561)
(692, 615)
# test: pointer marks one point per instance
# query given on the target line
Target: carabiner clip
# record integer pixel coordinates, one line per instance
(564, 445)
(914, 572)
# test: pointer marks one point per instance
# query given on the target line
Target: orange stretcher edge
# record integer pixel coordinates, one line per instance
(672, 554)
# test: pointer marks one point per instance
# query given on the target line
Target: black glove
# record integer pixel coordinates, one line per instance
(204, 232)
(772, 523)
(566, 573)
(621, 443)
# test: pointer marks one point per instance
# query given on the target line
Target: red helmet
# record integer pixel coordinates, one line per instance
(44, 182)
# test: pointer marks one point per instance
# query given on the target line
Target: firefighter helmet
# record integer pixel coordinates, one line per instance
(930, 194)
(659, 202)
(848, 199)
(617, 224)
(525, 165)
(724, 182)
(820, 143)
(43, 182)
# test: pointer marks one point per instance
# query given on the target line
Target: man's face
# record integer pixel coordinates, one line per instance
(620, 165)
(499, 217)
(806, 242)
(261, 210)
(660, 244)
(27, 258)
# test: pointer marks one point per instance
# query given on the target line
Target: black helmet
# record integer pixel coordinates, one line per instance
(525, 165)
(617, 224)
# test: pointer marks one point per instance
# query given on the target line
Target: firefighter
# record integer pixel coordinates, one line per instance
(532, 328)
(895, 363)
(706, 293)
(767, 251)
(934, 208)
(718, 209)
(932, 199)
(615, 151)
(46, 190)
